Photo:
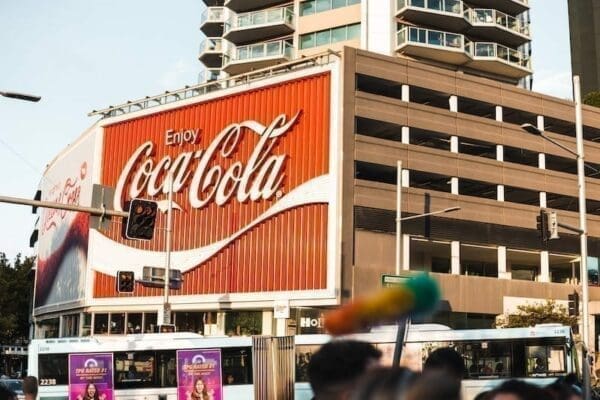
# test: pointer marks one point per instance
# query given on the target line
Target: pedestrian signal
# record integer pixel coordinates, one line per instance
(125, 281)
(141, 219)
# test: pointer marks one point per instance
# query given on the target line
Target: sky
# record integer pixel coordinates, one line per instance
(85, 55)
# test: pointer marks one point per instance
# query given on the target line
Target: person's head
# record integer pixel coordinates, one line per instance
(230, 379)
(6, 393)
(445, 359)
(519, 390)
(200, 386)
(334, 369)
(483, 395)
(30, 387)
(435, 385)
(566, 388)
(384, 384)
(91, 391)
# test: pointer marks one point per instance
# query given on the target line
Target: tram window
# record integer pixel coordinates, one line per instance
(134, 369)
(53, 369)
(237, 365)
(545, 360)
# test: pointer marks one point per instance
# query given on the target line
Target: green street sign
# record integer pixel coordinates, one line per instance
(392, 280)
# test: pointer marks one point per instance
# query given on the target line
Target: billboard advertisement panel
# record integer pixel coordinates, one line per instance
(253, 190)
(91, 376)
(199, 374)
(63, 235)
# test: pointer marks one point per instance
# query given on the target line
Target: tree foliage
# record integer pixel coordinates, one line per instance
(537, 313)
(16, 290)
(592, 99)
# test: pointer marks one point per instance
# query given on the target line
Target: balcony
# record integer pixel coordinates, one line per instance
(255, 56)
(443, 14)
(212, 21)
(497, 26)
(249, 5)
(214, 3)
(512, 7)
(209, 75)
(211, 52)
(498, 59)
(260, 25)
(431, 44)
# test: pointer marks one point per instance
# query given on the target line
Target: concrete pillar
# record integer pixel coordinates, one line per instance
(454, 185)
(499, 152)
(500, 193)
(544, 266)
(503, 271)
(454, 144)
(405, 93)
(405, 178)
(405, 135)
(267, 323)
(499, 113)
(543, 199)
(541, 161)
(455, 257)
(540, 122)
(453, 103)
(406, 251)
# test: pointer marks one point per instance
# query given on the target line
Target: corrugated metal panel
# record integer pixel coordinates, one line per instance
(286, 252)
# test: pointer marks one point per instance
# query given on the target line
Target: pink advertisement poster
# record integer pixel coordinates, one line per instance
(199, 374)
(91, 376)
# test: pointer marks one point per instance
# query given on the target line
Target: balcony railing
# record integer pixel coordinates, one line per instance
(410, 34)
(208, 75)
(215, 45)
(280, 48)
(449, 6)
(495, 50)
(487, 16)
(281, 15)
(213, 14)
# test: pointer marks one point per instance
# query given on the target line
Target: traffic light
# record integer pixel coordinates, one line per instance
(574, 304)
(543, 225)
(141, 219)
(125, 281)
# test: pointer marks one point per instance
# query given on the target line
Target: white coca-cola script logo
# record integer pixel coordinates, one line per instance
(68, 193)
(259, 178)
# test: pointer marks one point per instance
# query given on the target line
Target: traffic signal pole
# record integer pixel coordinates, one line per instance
(101, 212)
(166, 305)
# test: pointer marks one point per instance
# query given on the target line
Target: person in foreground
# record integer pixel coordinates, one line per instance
(7, 394)
(30, 387)
(334, 370)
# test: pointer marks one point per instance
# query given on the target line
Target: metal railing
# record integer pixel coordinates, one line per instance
(488, 16)
(198, 90)
(262, 50)
(410, 34)
(449, 6)
(212, 14)
(495, 50)
(280, 15)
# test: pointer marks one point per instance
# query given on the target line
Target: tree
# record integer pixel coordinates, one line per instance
(16, 291)
(537, 313)
(592, 99)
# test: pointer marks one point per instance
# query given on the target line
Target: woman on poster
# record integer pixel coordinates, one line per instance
(91, 393)
(200, 391)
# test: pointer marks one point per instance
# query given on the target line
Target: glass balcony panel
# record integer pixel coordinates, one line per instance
(401, 37)
(502, 52)
(244, 20)
(259, 18)
(453, 40)
(417, 3)
(257, 51)
(484, 50)
(243, 53)
(273, 48)
(418, 35)
(453, 6)
(338, 3)
(435, 38)
(501, 19)
(435, 5)
(289, 49)
(400, 4)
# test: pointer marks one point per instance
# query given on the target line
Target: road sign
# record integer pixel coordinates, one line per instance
(392, 280)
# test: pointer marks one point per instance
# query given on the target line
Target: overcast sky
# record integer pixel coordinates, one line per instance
(84, 55)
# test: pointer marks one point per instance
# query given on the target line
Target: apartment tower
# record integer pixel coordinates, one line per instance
(584, 28)
(481, 37)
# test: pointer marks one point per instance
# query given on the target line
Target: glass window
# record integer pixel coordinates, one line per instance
(545, 360)
(237, 365)
(307, 41)
(323, 5)
(435, 38)
(338, 3)
(117, 324)
(352, 2)
(190, 322)
(435, 4)
(149, 322)
(307, 7)
(303, 356)
(70, 325)
(100, 324)
(243, 323)
(242, 53)
(259, 18)
(134, 323)
(353, 31)
(273, 48)
(323, 38)
(338, 34)
(53, 369)
(167, 368)
(134, 369)
(257, 51)
(86, 327)
(418, 3)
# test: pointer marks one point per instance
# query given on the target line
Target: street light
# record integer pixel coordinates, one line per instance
(20, 96)
(582, 210)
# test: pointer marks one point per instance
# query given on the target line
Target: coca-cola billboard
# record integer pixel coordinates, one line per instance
(254, 191)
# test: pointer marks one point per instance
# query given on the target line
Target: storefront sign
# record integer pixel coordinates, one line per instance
(199, 374)
(91, 376)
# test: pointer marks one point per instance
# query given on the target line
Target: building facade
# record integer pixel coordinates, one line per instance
(584, 27)
(285, 199)
(481, 37)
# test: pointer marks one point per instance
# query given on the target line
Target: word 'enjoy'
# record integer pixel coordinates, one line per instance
(173, 137)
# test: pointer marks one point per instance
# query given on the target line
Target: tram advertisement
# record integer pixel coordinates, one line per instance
(91, 376)
(199, 374)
